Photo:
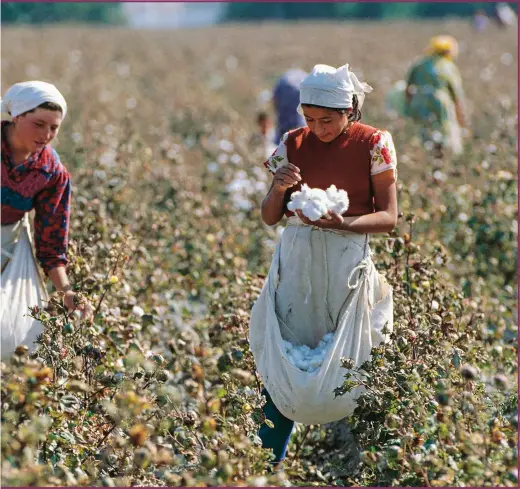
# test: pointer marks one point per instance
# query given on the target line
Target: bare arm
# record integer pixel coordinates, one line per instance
(385, 217)
(273, 204)
(61, 282)
(381, 221)
(59, 278)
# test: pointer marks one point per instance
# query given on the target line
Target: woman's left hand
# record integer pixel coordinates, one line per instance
(335, 221)
(84, 307)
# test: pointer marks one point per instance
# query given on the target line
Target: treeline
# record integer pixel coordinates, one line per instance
(354, 10)
(50, 12)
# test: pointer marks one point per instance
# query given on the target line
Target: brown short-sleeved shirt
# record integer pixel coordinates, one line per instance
(352, 162)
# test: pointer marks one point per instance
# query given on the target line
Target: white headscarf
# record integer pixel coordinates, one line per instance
(330, 87)
(25, 96)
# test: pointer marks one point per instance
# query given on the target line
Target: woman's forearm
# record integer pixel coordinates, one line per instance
(59, 278)
(273, 206)
(460, 114)
(378, 222)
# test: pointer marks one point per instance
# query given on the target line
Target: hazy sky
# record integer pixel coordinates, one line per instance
(172, 15)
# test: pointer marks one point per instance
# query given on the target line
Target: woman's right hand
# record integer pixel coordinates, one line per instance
(286, 177)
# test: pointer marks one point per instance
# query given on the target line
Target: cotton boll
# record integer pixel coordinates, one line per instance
(302, 365)
(299, 198)
(339, 207)
(311, 211)
(339, 202)
(315, 364)
(137, 311)
(332, 192)
(305, 358)
(319, 194)
(296, 202)
(314, 210)
(306, 191)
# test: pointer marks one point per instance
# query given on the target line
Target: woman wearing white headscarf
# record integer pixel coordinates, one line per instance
(322, 280)
(33, 178)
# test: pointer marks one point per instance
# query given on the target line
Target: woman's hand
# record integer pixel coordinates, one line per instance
(332, 220)
(286, 177)
(83, 307)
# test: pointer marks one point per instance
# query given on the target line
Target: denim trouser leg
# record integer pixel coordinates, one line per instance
(276, 438)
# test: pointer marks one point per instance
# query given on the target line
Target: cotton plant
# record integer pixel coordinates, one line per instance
(242, 188)
(306, 358)
(316, 202)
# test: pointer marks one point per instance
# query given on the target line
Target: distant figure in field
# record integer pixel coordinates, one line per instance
(395, 100)
(286, 98)
(266, 135)
(480, 20)
(505, 15)
(435, 98)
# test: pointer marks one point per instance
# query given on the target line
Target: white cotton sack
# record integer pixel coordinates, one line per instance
(21, 289)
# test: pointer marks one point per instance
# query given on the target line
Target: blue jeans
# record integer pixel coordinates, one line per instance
(276, 438)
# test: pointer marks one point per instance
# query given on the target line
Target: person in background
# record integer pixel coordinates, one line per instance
(480, 20)
(286, 98)
(395, 100)
(505, 15)
(33, 178)
(265, 136)
(435, 98)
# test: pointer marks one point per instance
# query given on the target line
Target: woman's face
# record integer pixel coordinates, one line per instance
(326, 124)
(36, 129)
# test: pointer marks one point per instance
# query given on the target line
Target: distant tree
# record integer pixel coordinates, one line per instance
(252, 11)
(49, 12)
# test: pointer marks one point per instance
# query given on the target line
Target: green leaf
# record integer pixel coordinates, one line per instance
(147, 320)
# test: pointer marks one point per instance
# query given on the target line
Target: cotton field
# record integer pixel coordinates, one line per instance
(168, 245)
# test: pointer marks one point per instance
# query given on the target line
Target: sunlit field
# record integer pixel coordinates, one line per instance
(168, 245)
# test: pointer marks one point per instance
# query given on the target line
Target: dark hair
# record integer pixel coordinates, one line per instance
(353, 116)
(262, 116)
(47, 106)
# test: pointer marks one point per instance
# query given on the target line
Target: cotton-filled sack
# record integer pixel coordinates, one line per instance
(320, 282)
(21, 288)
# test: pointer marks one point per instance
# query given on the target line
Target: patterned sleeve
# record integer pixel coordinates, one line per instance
(51, 223)
(279, 156)
(382, 156)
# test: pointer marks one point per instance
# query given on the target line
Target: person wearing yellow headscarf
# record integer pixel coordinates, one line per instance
(435, 98)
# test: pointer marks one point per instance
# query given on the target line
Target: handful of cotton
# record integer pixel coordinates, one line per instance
(305, 358)
(316, 203)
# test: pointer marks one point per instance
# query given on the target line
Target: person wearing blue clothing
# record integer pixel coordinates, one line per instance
(286, 98)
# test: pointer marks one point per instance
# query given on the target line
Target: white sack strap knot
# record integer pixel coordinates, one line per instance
(363, 266)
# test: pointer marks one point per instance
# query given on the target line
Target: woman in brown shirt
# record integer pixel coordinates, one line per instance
(310, 290)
